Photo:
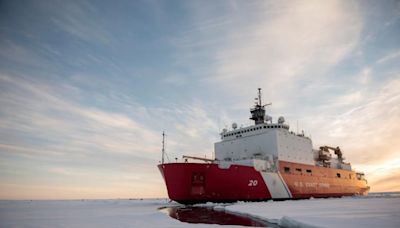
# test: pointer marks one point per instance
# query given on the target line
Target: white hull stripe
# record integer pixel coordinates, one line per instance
(284, 183)
(276, 186)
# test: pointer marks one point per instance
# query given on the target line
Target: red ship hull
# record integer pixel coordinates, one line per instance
(196, 182)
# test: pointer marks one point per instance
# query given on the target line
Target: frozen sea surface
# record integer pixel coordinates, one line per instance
(374, 211)
(87, 213)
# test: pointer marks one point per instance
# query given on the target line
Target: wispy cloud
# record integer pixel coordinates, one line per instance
(300, 41)
(59, 130)
(80, 19)
(58, 115)
(389, 57)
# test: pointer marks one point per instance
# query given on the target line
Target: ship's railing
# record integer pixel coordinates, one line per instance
(198, 158)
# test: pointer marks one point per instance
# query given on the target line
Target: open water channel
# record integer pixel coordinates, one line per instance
(208, 215)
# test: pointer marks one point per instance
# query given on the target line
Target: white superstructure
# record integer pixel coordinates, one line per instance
(272, 142)
(264, 141)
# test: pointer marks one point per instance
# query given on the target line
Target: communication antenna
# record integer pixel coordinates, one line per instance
(163, 148)
(258, 112)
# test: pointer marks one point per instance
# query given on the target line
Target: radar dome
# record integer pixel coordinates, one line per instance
(281, 120)
(234, 125)
(268, 118)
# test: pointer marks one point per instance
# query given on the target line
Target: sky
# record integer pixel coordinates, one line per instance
(87, 87)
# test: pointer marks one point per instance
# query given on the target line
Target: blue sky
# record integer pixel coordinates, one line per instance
(87, 87)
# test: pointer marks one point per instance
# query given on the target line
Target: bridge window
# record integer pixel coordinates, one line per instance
(308, 171)
(338, 175)
(298, 170)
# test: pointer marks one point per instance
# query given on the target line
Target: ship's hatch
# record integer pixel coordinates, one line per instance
(198, 183)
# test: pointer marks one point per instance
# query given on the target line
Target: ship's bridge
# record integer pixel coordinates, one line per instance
(264, 140)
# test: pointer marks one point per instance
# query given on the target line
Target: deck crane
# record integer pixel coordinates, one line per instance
(336, 150)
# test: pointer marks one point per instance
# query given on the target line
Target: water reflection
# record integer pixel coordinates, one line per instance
(208, 215)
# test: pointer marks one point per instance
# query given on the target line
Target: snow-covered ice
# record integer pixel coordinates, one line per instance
(87, 213)
(334, 212)
(374, 211)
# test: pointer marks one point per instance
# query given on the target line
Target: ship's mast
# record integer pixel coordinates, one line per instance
(163, 148)
(258, 112)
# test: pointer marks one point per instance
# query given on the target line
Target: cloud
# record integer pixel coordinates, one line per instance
(389, 57)
(43, 123)
(298, 41)
(58, 116)
(364, 124)
(80, 19)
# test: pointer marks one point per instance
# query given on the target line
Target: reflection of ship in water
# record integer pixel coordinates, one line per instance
(260, 162)
(210, 216)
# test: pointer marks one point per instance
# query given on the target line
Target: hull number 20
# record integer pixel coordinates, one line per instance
(253, 183)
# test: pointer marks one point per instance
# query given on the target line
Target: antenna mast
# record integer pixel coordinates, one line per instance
(163, 148)
(258, 112)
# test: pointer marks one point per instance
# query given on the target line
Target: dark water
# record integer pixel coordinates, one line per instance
(207, 215)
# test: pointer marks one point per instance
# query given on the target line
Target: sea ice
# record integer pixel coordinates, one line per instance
(373, 211)
(333, 212)
(87, 213)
